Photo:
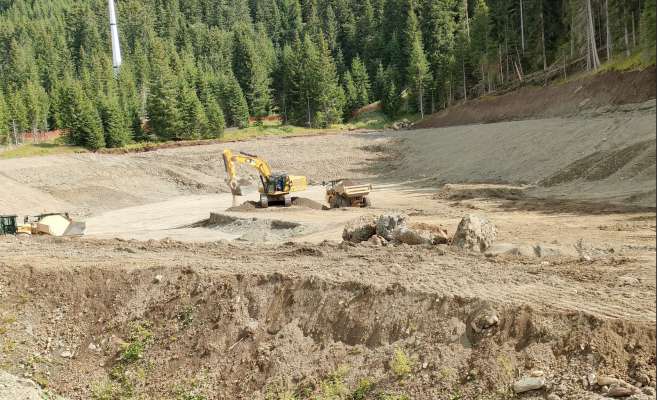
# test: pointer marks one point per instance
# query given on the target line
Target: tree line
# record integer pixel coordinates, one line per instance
(194, 67)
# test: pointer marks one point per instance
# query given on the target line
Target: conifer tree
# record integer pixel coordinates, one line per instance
(216, 121)
(194, 120)
(164, 116)
(115, 124)
(4, 120)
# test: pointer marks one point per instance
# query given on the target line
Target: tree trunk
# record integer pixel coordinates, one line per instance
(308, 109)
(633, 31)
(626, 33)
(465, 83)
(543, 40)
(595, 59)
(609, 54)
(522, 27)
(467, 18)
(15, 130)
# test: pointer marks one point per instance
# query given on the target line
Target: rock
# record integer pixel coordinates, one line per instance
(410, 237)
(475, 233)
(388, 223)
(528, 384)
(485, 321)
(628, 281)
(66, 354)
(620, 391)
(441, 237)
(542, 250)
(158, 279)
(376, 241)
(607, 381)
(649, 391)
(360, 230)
(508, 249)
(537, 373)
(553, 396)
(456, 330)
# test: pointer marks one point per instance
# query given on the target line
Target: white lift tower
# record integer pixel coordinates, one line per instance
(114, 31)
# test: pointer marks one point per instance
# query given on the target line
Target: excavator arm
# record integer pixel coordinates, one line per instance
(231, 159)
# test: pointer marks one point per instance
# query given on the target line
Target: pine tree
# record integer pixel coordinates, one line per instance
(38, 106)
(379, 88)
(80, 119)
(350, 92)
(418, 66)
(194, 120)
(115, 124)
(216, 121)
(648, 29)
(164, 116)
(18, 116)
(237, 109)
(4, 120)
(361, 82)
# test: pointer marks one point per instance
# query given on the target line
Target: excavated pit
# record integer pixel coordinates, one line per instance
(263, 335)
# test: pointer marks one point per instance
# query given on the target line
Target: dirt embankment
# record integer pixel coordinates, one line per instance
(606, 90)
(139, 324)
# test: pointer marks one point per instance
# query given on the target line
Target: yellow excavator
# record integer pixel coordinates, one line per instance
(276, 187)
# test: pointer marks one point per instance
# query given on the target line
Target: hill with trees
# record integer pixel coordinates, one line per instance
(193, 67)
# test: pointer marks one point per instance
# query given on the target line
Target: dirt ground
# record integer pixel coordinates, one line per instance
(591, 94)
(180, 291)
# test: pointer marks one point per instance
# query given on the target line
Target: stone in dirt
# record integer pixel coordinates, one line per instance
(360, 230)
(13, 388)
(621, 391)
(508, 249)
(387, 224)
(529, 383)
(410, 237)
(475, 233)
(376, 241)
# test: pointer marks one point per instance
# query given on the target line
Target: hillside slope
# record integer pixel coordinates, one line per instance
(608, 157)
(596, 93)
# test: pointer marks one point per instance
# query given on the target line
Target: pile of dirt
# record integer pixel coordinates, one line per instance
(245, 207)
(180, 332)
(610, 89)
(253, 229)
(308, 203)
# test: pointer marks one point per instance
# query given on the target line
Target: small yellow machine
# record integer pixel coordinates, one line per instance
(276, 187)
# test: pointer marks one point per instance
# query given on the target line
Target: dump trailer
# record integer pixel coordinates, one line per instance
(275, 187)
(344, 194)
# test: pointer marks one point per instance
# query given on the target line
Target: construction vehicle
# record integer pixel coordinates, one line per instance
(8, 225)
(276, 187)
(344, 194)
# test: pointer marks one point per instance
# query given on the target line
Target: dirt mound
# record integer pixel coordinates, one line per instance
(245, 207)
(179, 332)
(308, 203)
(605, 90)
(252, 229)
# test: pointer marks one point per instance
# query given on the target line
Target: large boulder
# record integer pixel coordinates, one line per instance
(360, 230)
(387, 224)
(475, 232)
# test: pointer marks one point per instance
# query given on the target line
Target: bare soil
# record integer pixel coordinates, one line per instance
(180, 290)
(591, 94)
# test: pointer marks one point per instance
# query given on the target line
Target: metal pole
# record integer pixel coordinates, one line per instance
(114, 31)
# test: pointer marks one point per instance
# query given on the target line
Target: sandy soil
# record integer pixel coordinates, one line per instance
(162, 301)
